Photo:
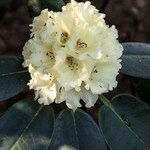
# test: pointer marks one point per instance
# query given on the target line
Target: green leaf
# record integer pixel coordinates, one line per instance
(26, 125)
(13, 77)
(76, 130)
(36, 6)
(136, 60)
(125, 123)
(143, 89)
(55, 5)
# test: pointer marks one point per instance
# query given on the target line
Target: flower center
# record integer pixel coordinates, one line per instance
(51, 55)
(72, 64)
(81, 44)
(64, 37)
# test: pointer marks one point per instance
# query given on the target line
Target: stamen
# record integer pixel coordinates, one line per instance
(95, 70)
(51, 78)
(51, 55)
(81, 44)
(60, 89)
(64, 37)
(72, 64)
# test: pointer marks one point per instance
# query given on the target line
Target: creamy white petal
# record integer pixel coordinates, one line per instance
(39, 22)
(61, 93)
(85, 43)
(88, 97)
(46, 95)
(74, 72)
(45, 89)
(73, 99)
(85, 12)
(103, 77)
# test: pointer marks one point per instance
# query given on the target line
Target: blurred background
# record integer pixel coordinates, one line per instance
(131, 18)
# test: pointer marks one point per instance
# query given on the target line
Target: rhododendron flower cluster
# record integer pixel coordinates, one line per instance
(72, 55)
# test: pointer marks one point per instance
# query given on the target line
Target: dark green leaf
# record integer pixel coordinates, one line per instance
(76, 130)
(143, 89)
(55, 5)
(136, 60)
(99, 4)
(126, 123)
(35, 6)
(26, 125)
(13, 77)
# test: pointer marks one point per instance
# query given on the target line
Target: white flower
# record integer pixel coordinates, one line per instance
(43, 84)
(72, 55)
(70, 71)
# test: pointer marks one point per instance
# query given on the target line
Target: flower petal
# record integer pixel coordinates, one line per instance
(88, 97)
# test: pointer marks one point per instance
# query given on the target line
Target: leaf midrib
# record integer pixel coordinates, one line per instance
(74, 122)
(114, 111)
(13, 73)
(35, 115)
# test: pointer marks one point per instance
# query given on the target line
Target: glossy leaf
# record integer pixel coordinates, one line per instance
(13, 77)
(136, 60)
(26, 125)
(125, 123)
(76, 130)
(35, 6)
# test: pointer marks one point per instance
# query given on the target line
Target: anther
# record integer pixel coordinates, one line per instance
(64, 37)
(81, 44)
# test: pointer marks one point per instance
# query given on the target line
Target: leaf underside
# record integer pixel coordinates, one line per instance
(136, 60)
